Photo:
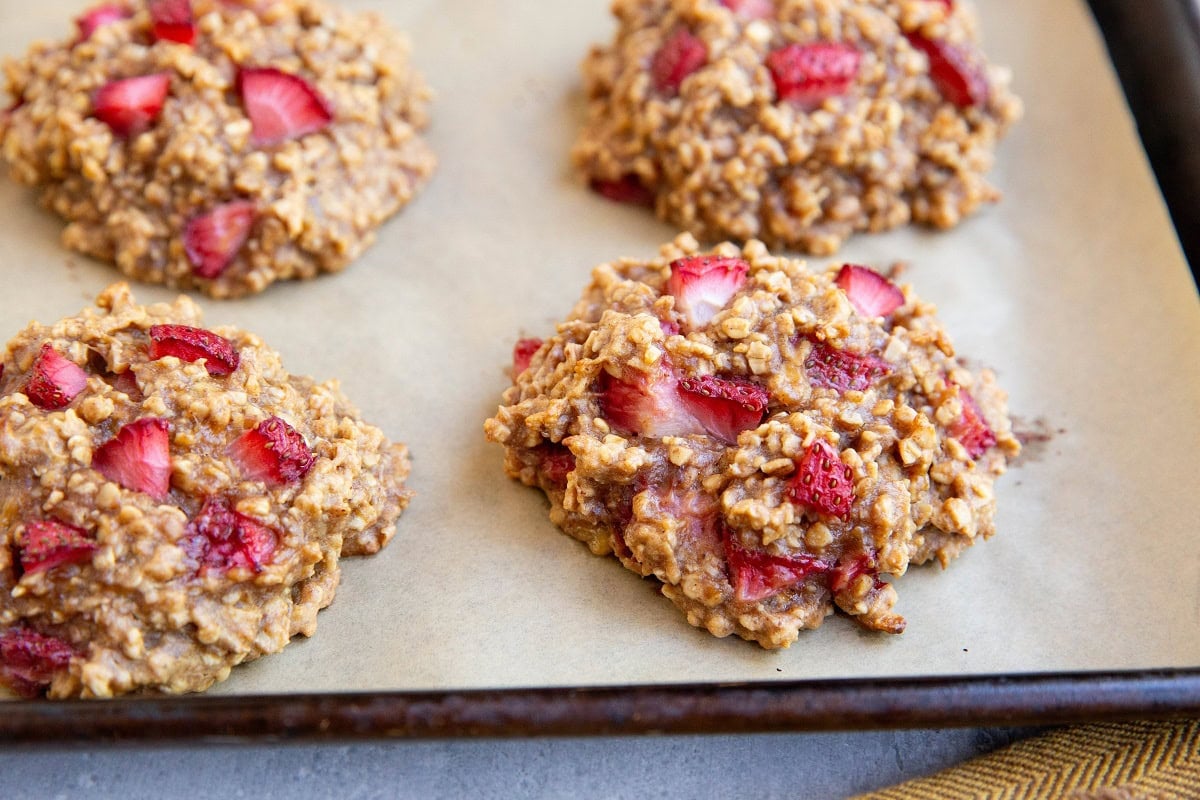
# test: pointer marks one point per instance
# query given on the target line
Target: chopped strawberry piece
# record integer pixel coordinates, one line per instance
(648, 404)
(848, 571)
(54, 381)
(273, 452)
(703, 285)
(680, 55)
(212, 240)
(221, 539)
(522, 354)
(751, 9)
(949, 4)
(823, 482)
(555, 462)
(173, 21)
(627, 189)
(29, 660)
(131, 105)
(954, 70)
(281, 106)
(756, 575)
(98, 17)
(843, 370)
(668, 328)
(724, 406)
(871, 294)
(192, 344)
(49, 543)
(807, 74)
(138, 457)
(971, 429)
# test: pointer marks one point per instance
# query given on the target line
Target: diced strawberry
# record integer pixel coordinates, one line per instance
(281, 106)
(627, 189)
(680, 55)
(703, 285)
(871, 294)
(99, 16)
(849, 569)
(954, 70)
(192, 344)
(555, 462)
(173, 21)
(648, 404)
(843, 370)
(756, 575)
(751, 9)
(724, 406)
(29, 660)
(138, 457)
(807, 74)
(127, 382)
(221, 539)
(273, 452)
(949, 4)
(212, 240)
(131, 105)
(971, 429)
(668, 328)
(54, 381)
(522, 354)
(823, 482)
(49, 543)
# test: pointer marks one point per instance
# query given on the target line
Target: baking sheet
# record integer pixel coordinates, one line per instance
(1073, 289)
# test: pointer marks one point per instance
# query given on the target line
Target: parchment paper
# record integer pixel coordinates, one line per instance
(1073, 289)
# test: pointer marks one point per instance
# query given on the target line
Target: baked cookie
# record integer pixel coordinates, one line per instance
(172, 501)
(766, 441)
(796, 122)
(220, 145)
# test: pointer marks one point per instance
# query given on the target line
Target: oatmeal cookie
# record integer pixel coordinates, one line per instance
(766, 441)
(220, 145)
(172, 502)
(796, 122)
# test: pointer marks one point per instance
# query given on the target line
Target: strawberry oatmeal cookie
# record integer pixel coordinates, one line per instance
(219, 145)
(796, 122)
(766, 441)
(172, 502)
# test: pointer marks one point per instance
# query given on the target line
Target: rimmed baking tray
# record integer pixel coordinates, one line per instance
(481, 620)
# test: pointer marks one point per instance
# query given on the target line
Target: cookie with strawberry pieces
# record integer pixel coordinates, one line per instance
(172, 501)
(794, 122)
(766, 441)
(218, 145)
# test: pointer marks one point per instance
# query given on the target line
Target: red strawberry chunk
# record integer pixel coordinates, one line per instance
(843, 370)
(173, 21)
(49, 543)
(138, 457)
(954, 70)
(647, 404)
(823, 483)
(29, 660)
(281, 106)
(757, 575)
(627, 189)
(221, 539)
(703, 285)
(807, 74)
(131, 105)
(848, 571)
(98, 17)
(971, 429)
(212, 240)
(192, 344)
(751, 9)
(555, 462)
(54, 381)
(871, 294)
(273, 452)
(522, 354)
(680, 55)
(724, 406)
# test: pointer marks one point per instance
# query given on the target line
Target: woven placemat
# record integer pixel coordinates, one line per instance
(1111, 761)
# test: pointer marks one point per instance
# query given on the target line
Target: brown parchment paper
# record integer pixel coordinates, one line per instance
(1073, 289)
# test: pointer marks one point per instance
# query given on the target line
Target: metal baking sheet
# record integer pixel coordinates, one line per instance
(481, 618)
